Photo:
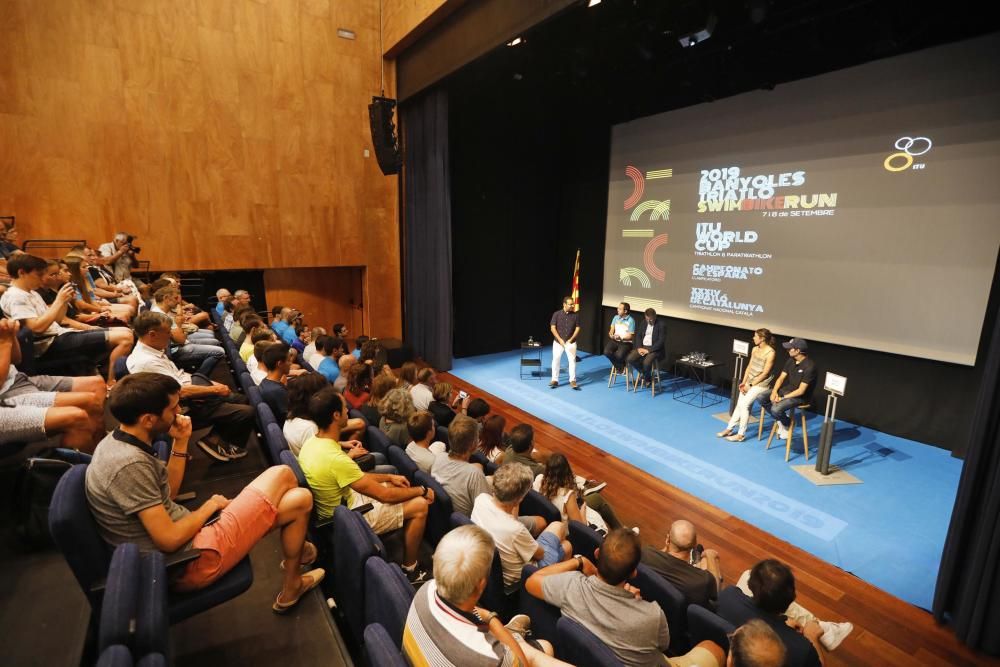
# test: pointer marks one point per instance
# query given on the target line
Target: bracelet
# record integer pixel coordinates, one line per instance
(181, 455)
(424, 494)
(489, 617)
(579, 563)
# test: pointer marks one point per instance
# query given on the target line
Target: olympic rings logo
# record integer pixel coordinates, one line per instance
(909, 148)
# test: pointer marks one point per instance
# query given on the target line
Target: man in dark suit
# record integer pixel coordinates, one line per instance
(649, 344)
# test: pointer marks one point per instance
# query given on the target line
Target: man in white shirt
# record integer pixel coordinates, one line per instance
(57, 336)
(198, 349)
(498, 516)
(422, 448)
(119, 255)
(231, 422)
(311, 354)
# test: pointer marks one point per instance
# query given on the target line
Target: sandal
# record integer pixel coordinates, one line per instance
(736, 437)
(309, 555)
(723, 434)
(314, 577)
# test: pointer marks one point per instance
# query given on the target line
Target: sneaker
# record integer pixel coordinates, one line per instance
(782, 432)
(635, 529)
(417, 576)
(573, 384)
(553, 384)
(593, 486)
(834, 633)
(217, 451)
(236, 452)
(520, 624)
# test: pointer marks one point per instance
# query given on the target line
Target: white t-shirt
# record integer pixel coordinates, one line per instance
(424, 458)
(516, 545)
(422, 396)
(19, 304)
(590, 514)
(146, 359)
(297, 431)
(257, 374)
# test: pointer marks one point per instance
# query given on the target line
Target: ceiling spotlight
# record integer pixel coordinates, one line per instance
(593, 3)
(515, 41)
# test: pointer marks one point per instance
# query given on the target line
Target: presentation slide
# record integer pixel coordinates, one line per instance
(860, 207)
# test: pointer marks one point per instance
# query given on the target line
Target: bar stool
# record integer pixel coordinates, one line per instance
(791, 431)
(626, 373)
(654, 378)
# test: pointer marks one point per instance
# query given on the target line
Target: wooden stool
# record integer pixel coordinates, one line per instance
(615, 373)
(654, 378)
(791, 431)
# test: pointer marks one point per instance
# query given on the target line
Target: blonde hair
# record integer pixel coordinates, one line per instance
(397, 405)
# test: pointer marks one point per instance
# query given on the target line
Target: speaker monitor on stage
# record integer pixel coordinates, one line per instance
(384, 139)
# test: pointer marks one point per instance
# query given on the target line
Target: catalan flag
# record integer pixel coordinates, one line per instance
(576, 283)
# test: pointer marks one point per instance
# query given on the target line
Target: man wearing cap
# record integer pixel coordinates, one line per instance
(793, 387)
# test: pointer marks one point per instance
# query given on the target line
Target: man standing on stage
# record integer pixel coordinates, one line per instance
(620, 337)
(565, 327)
(793, 387)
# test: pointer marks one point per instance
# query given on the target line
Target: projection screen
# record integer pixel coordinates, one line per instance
(860, 207)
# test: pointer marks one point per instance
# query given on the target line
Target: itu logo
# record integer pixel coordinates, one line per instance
(909, 148)
(710, 237)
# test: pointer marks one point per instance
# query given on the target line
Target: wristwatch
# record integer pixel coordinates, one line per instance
(489, 617)
(182, 455)
(579, 563)
(424, 494)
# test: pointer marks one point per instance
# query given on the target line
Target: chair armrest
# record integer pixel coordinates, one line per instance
(181, 557)
(184, 497)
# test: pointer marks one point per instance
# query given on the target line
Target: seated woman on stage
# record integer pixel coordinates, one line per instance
(756, 381)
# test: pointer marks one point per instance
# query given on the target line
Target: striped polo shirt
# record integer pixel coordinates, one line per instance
(438, 634)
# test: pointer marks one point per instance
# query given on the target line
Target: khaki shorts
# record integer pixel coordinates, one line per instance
(384, 517)
(696, 657)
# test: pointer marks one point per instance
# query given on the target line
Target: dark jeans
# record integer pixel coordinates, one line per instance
(642, 364)
(596, 502)
(230, 418)
(616, 351)
(780, 409)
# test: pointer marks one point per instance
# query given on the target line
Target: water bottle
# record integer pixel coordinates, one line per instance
(531, 340)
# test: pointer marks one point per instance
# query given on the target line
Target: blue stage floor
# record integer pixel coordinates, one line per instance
(889, 531)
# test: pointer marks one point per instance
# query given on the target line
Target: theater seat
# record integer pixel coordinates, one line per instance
(388, 598)
(377, 441)
(585, 540)
(75, 533)
(579, 646)
(705, 625)
(353, 544)
(542, 614)
(494, 597)
(276, 442)
(382, 652)
(657, 589)
(121, 367)
(535, 504)
(403, 463)
(134, 610)
(438, 512)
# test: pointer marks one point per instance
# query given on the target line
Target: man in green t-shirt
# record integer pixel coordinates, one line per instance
(336, 479)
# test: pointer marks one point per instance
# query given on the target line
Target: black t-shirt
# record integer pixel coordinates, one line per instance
(795, 374)
(276, 396)
(698, 585)
(565, 323)
(49, 297)
(737, 608)
(442, 413)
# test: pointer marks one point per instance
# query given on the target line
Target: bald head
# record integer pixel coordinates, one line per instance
(682, 536)
(755, 644)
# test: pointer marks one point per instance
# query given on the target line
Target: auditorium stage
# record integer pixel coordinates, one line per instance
(888, 531)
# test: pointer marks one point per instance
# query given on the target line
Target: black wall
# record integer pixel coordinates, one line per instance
(529, 187)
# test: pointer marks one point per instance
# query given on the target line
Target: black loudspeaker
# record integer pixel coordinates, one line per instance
(384, 135)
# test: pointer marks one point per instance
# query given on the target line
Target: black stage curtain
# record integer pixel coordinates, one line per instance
(968, 584)
(427, 318)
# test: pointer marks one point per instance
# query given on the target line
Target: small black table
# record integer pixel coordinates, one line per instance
(697, 372)
(531, 359)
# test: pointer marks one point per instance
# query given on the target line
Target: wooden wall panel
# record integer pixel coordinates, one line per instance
(226, 134)
(323, 295)
(405, 21)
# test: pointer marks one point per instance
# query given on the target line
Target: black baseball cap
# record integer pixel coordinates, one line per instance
(797, 343)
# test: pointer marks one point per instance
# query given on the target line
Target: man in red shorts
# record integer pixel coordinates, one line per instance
(130, 492)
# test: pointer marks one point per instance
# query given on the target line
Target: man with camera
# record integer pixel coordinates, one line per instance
(120, 255)
(694, 570)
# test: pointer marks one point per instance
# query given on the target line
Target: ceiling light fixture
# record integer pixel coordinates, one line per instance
(516, 41)
(593, 3)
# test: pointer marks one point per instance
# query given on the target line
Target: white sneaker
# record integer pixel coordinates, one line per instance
(782, 432)
(834, 633)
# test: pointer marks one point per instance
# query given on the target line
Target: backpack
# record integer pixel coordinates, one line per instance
(32, 494)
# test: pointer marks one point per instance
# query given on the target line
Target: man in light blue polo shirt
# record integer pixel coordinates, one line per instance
(620, 335)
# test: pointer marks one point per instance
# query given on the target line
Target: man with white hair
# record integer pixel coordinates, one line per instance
(119, 255)
(498, 514)
(695, 572)
(446, 627)
(223, 296)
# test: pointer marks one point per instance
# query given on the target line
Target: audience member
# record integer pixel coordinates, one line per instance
(767, 592)
(334, 477)
(443, 407)
(210, 404)
(422, 447)
(446, 627)
(755, 644)
(223, 297)
(119, 254)
(272, 388)
(103, 279)
(408, 375)
(477, 409)
(256, 330)
(328, 348)
(560, 486)
(298, 426)
(521, 449)
(357, 391)
(696, 574)
(256, 368)
(491, 437)
(197, 349)
(344, 362)
(35, 408)
(422, 391)
(498, 515)
(87, 291)
(395, 410)
(130, 492)
(600, 599)
(381, 386)
(56, 275)
(463, 481)
(358, 344)
(8, 240)
(310, 354)
(57, 336)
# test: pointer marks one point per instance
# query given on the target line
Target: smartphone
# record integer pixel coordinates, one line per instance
(462, 395)
(696, 554)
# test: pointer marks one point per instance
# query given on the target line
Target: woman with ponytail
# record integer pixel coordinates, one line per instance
(756, 381)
